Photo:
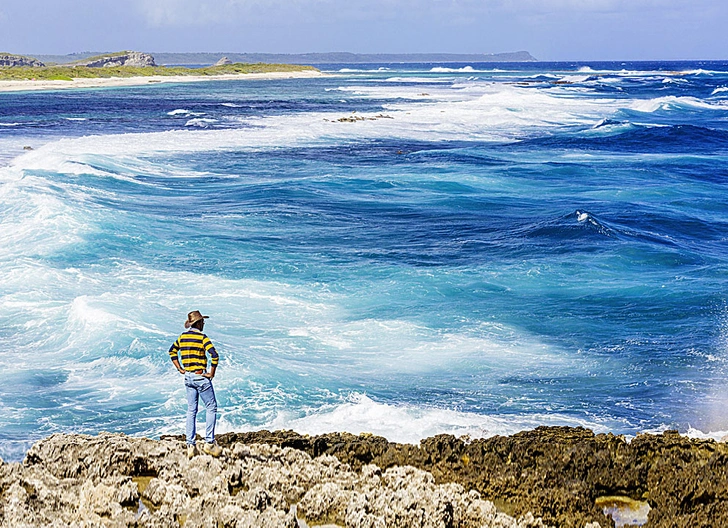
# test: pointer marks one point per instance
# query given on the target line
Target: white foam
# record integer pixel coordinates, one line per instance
(674, 103)
(701, 71)
(410, 424)
(720, 89)
(466, 111)
(10, 124)
(574, 78)
(673, 80)
(35, 221)
(355, 70)
(179, 111)
(200, 122)
(419, 80)
(711, 435)
(465, 69)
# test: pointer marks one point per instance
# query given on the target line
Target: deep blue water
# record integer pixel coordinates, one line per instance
(492, 247)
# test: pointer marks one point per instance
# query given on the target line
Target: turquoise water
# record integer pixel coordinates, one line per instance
(492, 248)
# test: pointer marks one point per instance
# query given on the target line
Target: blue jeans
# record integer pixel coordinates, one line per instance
(198, 385)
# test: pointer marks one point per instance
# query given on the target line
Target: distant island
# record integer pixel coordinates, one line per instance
(125, 64)
(200, 59)
(130, 68)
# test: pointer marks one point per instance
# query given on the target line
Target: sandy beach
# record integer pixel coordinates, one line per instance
(109, 82)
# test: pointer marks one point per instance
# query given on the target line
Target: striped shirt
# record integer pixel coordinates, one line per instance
(191, 346)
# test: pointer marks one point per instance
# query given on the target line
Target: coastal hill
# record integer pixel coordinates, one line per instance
(199, 59)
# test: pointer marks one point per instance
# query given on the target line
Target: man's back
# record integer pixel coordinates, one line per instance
(192, 345)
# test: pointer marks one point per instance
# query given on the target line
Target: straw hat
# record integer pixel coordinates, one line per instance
(193, 317)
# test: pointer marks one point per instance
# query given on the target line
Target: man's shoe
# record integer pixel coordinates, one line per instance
(191, 451)
(211, 449)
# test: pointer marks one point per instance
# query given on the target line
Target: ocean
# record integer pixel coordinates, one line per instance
(401, 249)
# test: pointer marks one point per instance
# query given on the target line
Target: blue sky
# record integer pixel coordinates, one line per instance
(549, 29)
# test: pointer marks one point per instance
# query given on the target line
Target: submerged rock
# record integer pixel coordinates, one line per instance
(116, 480)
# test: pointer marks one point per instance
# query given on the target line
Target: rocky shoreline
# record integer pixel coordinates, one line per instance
(551, 476)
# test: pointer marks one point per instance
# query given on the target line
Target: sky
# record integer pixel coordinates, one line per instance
(548, 29)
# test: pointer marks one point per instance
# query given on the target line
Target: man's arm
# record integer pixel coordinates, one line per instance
(210, 349)
(175, 361)
(175, 357)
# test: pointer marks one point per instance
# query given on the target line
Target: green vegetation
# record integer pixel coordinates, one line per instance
(82, 72)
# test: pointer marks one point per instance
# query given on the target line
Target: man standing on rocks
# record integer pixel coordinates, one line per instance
(193, 346)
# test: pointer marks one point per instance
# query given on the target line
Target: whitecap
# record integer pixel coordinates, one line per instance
(417, 80)
(409, 423)
(231, 105)
(673, 103)
(574, 78)
(184, 113)
(355, 70)
(441, 69)
(200, 122)
(714, 435)
(720, 89)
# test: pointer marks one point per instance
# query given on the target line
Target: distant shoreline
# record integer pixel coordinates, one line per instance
(110, 82)
(207, 58)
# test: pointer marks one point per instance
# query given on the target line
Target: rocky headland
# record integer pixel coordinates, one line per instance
(560, 477)
(8, 60)
(135, 59)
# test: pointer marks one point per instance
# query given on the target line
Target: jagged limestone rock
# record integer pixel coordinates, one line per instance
(127, 58)
(115, 480)
(557, 473)
(8, 60)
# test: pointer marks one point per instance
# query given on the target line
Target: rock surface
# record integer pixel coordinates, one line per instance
(116, 480)
(557, 473)
(549, 476)
(128, 58)
(13, 61)
(223, 61)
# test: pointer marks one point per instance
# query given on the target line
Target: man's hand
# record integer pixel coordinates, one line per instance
(176, 364)
(209, 375)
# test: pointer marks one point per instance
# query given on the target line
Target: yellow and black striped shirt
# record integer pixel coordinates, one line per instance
(191, 346)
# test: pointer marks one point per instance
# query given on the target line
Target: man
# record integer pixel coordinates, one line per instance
(193, 346)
